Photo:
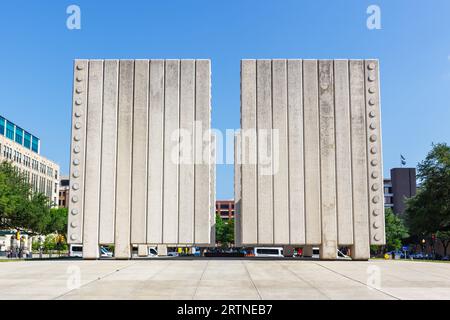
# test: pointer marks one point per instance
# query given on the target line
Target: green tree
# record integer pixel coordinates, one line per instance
(23, 209)
(224, 231)
(428, 212)
(395, 231)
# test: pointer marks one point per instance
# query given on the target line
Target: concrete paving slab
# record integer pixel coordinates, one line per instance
(224, 279)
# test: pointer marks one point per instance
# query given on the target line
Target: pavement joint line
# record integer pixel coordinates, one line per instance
(306, 281)
(201, 277)
(251, 280)
(355, 280)
(94, 280)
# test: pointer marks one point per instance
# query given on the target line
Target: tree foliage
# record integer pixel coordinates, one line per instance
(396, 230)
(224, 231)
(429, 211)
(25, 210)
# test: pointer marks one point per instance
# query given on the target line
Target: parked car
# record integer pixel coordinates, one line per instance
(76, 250)
(269, 252)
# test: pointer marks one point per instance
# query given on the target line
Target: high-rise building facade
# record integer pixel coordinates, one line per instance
(64, 192)
(22, 150)
(225, 208)
(401, 186)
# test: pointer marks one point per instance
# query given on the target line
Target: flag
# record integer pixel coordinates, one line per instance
(402, 160)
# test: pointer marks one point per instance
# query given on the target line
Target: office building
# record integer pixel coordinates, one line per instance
(22, 150)
(225, 208)
(401, 186)
(64, 189)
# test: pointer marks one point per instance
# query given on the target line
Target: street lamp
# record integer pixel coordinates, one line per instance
(423, 246)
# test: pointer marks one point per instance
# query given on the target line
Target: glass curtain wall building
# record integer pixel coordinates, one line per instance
(18, 135)
(22, 150)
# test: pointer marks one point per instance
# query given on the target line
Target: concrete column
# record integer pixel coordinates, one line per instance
(296, 154)
(360, 249)
(140, 142)
(307, 251)
(155, 152)
(328, 249)
(109, 141)
(162, 250)
(142, 250)
(93, 162)
(124, 160)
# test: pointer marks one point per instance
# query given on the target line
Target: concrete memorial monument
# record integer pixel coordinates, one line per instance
(142, 169)
(308, 166)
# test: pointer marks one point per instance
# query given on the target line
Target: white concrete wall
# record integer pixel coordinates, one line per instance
(136, 179)
(326, 186)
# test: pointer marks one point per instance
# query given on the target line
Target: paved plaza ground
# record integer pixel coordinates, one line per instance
(224, 279)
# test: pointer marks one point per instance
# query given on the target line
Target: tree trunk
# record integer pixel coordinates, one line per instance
(445, 245)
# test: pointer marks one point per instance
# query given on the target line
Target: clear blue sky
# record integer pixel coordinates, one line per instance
(413, 46)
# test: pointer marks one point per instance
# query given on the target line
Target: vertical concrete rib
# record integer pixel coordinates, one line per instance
(237, 190)
(265, 151)
(280, 152)
(187, 118)
(93, 161)
(155, 153)
(248, 140)
(122, 239)
(360, 250)
(375, 159)
(139, 166)
(343, 154)
(78, 151)
(109, 141)
(171, 152)
(328, 249)
(311, 153)
(296, 163)
(202, 152)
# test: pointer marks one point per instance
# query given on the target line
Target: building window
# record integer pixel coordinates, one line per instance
(35, 144)
(9, 130)
(19, 136)
(27, 140)
(2, 126)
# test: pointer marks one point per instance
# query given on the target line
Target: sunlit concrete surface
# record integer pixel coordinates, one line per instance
(224, 279)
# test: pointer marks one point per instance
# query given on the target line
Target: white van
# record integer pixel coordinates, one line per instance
(76, 250)
(269, 252)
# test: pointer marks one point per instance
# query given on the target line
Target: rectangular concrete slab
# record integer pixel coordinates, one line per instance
(296, 154)
(327, 160)
(343, 153)
(78, 151)
(202, 151)
(187, 118)
(122, 248)
(156, 152)
(93, 160)
(248, 138)
(281, 232)
(109, 147)
(265, 151)
(317, 177)
(140, 153)
(312, 153)
(360, 248)
(171, 151)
